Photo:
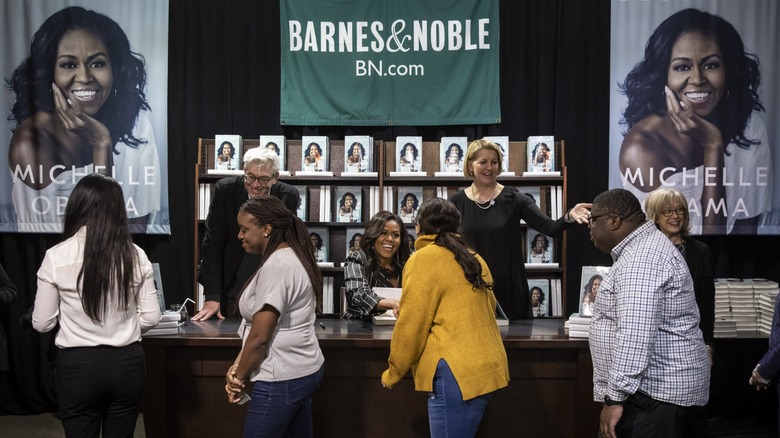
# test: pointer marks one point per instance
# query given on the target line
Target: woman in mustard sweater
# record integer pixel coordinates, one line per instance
(446, 331)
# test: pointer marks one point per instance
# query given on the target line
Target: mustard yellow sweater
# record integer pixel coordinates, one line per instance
(442, 316)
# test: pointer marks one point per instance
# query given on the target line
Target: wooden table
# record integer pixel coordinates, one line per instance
(549, 395)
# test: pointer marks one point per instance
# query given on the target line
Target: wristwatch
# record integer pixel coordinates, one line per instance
(609, 402)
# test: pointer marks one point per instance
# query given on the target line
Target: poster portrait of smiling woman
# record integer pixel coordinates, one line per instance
(692, 98)
(87, 93)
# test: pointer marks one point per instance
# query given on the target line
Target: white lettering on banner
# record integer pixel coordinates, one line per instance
(364, 36)
(371, 68)
(146, 176)
(42, 205)
(690, 177)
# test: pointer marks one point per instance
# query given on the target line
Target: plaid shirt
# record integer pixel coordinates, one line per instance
(644, 335)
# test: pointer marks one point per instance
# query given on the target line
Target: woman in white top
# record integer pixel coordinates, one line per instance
(99, 287)
(281, 354)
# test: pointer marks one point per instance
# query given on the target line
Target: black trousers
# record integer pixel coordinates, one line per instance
(647, 417)
(100, 387)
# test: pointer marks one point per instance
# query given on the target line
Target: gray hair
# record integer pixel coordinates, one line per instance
(263, 157)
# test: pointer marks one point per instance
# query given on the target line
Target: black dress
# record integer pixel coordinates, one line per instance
(495, 233)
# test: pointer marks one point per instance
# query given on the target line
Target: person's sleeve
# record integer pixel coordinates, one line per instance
(639, 305)
(46, 311)
(7, 289)
(290, 197)
(214, 243)
(537, 219)
(361, 300)
(148, 307)
(419, 303)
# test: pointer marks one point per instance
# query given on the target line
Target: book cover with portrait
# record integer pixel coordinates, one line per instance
(304, 204)
(539, 247)
(358, 153)
(354, 236)
(408, 202)
(227, 152)
(320, 242)
(452, 151)
(540, 154)
(278, 145)
(314, 153)
(589, 284)
(408, 154)
(539, 294)
(503, 143)
(348, 204)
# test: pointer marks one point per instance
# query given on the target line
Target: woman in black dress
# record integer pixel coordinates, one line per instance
(490, 222)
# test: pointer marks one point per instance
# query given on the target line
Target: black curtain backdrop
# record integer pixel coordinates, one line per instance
(224, 77)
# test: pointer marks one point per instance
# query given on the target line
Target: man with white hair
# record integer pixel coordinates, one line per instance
(224, 266)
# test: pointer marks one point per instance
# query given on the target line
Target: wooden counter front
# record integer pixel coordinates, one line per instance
(549, 395)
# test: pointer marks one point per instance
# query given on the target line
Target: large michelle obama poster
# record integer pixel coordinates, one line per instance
(86, 91)
(694, 108)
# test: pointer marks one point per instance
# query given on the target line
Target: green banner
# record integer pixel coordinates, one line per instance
(389, 62)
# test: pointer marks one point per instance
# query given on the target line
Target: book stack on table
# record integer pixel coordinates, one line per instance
(577, 326)
(168, 325)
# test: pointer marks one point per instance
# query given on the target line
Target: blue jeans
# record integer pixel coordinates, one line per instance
(282, 409)
(448, 414)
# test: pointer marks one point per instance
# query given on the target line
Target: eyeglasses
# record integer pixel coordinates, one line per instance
(251, 179)
(593, 218)
(668, 212)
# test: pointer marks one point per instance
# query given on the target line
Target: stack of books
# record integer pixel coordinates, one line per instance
(725, 328)
(767, 292)
(168, 325)
(744, 305)
(577, 325)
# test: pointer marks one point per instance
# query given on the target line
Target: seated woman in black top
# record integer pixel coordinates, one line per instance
(379, 263)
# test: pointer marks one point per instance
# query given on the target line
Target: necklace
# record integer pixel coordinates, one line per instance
(485, 204)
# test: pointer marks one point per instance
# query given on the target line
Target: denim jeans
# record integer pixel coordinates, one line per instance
(449, 416)
(282, 409)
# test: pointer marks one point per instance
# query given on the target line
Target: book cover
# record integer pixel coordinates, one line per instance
(314, 153)
(227, 152)
(303, 206)
(408, 154)
(589, 284)
(539, 294)
(452, 150)
(354, 236)
(320, 241)
(535, 193)
(540, 154)
(277, 144)
(358, 153)
(409, 200)
(503, 143)
(386, 318)
(158, 285)
(539, 248)
(349, 204)
(411, 235)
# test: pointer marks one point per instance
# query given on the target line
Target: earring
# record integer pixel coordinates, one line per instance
(265, 235)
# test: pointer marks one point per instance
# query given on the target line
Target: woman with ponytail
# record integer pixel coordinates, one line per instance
(281, 354)
(446, 331)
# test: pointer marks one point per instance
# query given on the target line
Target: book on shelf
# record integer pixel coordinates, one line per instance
(408, 156)
(387, 199)
(354, 236)
(503, 143)
(325, 203)
(314, 155)
(358, 155)
(373, 199)
(556, 299)
(540, 156)
(539, 294)
(277, 144)
(320, 241)
(349, 204)
(409, 200)
(387, 317)
(590, 279)
(204, 199)
(227, 155)
(452, 151)
(539, 248)
(327, 295)
(303, 206)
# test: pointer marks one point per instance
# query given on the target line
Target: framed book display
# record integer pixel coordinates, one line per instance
(539, 248)
(227, 153)
(320, 241)
(314, 153)
(408, 154)
(409, 200)
(354, 236)
(304, 204)
(452, 150)
(589, 285)
(349, 204)
(539, 293)
(540, 154)
(278, 145)
(358, 153)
